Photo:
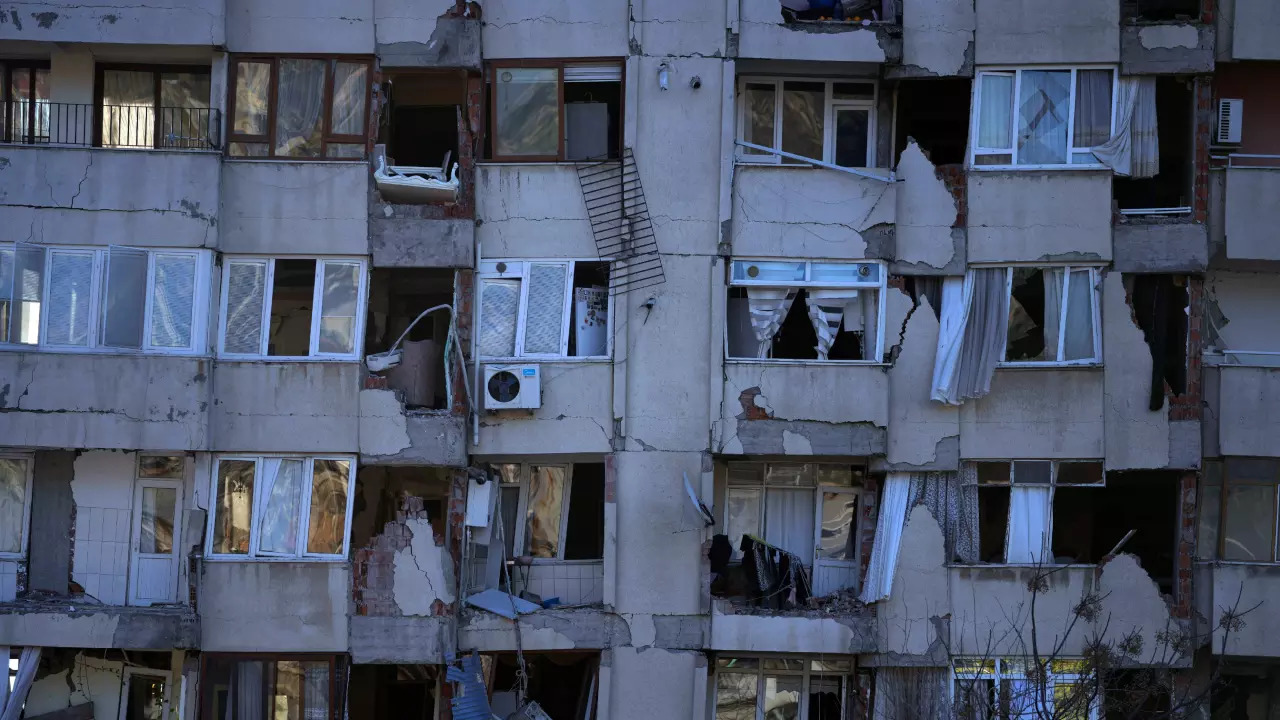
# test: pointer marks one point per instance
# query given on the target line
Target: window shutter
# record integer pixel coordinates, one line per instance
(339, 299)
(246, 290)
(173, 301)
(125, 298)
(28, 287)
(593, 73)
(70, 298)
(544, 316)
(499, 308)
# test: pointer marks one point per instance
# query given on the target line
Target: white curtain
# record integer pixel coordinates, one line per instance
(827, 309)
(995, 117)
(299, 107)
(884, 553)
(957, 296)
(1077, 340)
(248, 704)
(1134, 149)
(964, 369)
(768, 308)
(1052, 311)
(1043, 108)
(1029, 512)
(28, 663)
(1093, 108)
(789, 520)
(281, 495)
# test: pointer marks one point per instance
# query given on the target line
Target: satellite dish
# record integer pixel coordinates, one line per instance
(703, 510)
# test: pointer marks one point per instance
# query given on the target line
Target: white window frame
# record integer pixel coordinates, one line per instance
(95, 340)
(976, 114)
(29, 460)
(518, 543)
(129, 672)
(1002, 671)
(807, 673)
(304, 510)
(830, 107)
(879, 285)
(1047, 550)
(1095, 281)
(519, 270)
(264, 329)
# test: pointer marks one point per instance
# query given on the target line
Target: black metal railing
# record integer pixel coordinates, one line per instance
(41, 122)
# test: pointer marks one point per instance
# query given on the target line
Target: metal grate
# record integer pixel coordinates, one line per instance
(620, 222)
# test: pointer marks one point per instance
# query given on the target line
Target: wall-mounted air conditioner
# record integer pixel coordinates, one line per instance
(1230, 121)
(512, 387)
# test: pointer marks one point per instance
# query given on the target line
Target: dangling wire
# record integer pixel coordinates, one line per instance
(522, 673)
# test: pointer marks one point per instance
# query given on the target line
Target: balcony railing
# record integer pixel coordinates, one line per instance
(41, 122)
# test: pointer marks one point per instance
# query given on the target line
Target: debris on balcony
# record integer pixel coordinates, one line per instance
(413, 185)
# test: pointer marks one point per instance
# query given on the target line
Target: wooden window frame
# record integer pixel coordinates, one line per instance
(326, 136)
(830, 107)
(156, 71)
(1226, 482)
(491, 95)
(29, 461)
(7, 66)
(334, 665)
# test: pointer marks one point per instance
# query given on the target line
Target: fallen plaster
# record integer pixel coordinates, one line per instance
(1169, 36)
(91, 680)
(937, 36)
(1134, 437)
(383, 426)
(549, 629)
(919, 428)
(1132, 606)
(643, 631)
(926, 211)
(423, 571)
(920, 591)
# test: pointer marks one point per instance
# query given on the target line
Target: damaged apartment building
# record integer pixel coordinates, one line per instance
(721, 360)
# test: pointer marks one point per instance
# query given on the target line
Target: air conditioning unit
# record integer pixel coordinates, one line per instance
(512, 387)
(1230, 121)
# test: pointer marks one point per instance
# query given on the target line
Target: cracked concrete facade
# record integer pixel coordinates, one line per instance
(667, 405)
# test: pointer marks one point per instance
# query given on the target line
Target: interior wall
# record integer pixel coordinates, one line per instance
(1255, 83)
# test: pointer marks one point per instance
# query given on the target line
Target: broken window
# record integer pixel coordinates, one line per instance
(1166, 106)
(1245, 691)
(1161, 306)
(15, 504)
(394, 692)
(544, 309)
(1156, 10)
(563, 684)
(1053, 316)
(292, 308)
(24, 102)
(935, 113)
(562, 507)
(398, 299)
(1238, 510)
(115, 298)
(1016, 688)
(1027, 488)
(280, 507)
(298, 107)
(784, 310)
(555, 110)
(830, 121)
(384, 490)
(145, 695)
(420, 131)
(285, 687)
(141, 107)
(1041, 118)
(782, 686)
(809, 510)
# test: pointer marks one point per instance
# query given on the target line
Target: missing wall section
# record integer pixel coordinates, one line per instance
(1161, 306)
(397, 299)
(934, 113)
(393, 692)
(1155, 10)
(563, 684)
(1170, 191)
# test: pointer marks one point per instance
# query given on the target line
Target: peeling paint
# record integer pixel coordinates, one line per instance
(1169, 36)
(423, 571)
(383, 427)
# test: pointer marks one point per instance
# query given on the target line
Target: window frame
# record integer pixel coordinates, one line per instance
(264, 329)
(156, 71)
(491, 96)
(880, 286)
(300, 554)
(1052, 484)
(29, 460)
(806, 673)
(204, 687)
(975, 115)
(7, 68)
(95, 342)
(998, 674)
(1095, 281)
(1224, 483)
(519, 270)
(519, 543)
(273, 85)
(830, 106)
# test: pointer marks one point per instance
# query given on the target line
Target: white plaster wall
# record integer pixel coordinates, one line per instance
(809, 635)
(925, 210)
(1023, 32)
(300, 26)
(807, 212)
(905, 620)
(576, 415)
(307, 208)
(90, 680)
(8, 580)
(286, 407)
(1236, 588)
(169, 200)
(1248, 421)
(1254, 31)
(763, 35)
(180, 22)
(828, 393)
(405, 20)
(918, 426)
(651, 683)
(71, 76)
(1247, 302)
(1136, 437)
(270, 606)
(675, 27)
(554, 28)
(104, 401)
(102, 489)
(422, 571)
(1252, 213)
(936, 35)
(531, 211)
(1028, 215)
(1036, 414)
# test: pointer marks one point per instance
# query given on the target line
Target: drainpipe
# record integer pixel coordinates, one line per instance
(475, 350)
